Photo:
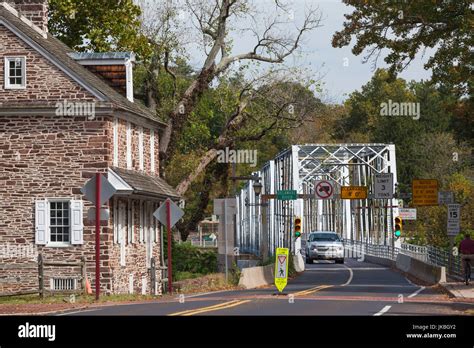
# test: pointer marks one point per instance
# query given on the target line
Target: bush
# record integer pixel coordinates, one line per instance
(188, 258)
(234, 274)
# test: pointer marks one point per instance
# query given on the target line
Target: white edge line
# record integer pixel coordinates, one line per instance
(83, 311)
(416, 292)
(351, 275)
(384, 310)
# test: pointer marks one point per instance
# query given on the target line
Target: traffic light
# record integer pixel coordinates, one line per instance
(297, 227)
(398, 226)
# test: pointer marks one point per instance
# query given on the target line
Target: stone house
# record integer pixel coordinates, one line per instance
(63, 117)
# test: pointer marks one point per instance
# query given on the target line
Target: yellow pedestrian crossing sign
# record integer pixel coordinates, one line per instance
(281, 268)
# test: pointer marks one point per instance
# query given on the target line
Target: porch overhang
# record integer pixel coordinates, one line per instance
(131, 182)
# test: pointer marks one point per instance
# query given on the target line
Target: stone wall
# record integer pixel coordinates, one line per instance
(44, 82)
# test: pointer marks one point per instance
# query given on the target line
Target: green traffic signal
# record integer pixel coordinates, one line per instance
(398, 226)
(297, 227)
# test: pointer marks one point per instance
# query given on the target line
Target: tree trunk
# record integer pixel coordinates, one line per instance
(183, 186)
(214, 173)
(179, 116)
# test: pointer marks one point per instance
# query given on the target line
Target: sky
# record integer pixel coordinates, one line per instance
(341, 71)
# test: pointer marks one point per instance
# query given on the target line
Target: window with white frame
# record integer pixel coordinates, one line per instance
(59, 222)
(60, 228)
(15, 72)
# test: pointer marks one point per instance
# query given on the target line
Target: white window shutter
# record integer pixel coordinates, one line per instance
(130, 221)
(77, 226)
(41, 222)
(115, 203)
(141, 213)
(152, 150)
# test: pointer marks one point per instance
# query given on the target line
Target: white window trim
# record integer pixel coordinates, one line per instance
(7, 72)
(50, 244)
(129, 145)
(141, 154)
(152, 150)
(116, 149)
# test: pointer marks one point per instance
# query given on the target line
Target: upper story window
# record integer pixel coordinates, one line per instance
(15, 72)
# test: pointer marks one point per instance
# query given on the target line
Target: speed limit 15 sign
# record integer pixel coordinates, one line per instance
(454, 216)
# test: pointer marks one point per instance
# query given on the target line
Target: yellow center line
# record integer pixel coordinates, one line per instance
(217, 307)
(309, 291)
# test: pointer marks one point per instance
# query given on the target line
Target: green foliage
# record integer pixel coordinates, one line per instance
(424, 146)
(185, 275)
(234, 274)
(188, 258)
(98, 25)
(405, 28)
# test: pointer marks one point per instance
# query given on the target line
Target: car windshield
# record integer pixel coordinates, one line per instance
(324, 237)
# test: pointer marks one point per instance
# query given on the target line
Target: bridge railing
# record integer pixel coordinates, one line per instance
(429, 254)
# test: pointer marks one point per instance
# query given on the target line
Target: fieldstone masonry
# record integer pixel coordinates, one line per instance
(49, 156)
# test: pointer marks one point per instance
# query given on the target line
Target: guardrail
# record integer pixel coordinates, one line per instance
(429, 254)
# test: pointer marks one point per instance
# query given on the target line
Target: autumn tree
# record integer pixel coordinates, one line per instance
(406, 28)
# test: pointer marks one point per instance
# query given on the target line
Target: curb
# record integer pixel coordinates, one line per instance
(452, 293)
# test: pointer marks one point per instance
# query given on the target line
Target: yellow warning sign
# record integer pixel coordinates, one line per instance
(424, 192)
(353, 192)
(281, 268)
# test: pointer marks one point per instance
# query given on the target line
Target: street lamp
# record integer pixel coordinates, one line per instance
(257, 188)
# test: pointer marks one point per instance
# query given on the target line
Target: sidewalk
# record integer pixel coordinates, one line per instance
(458, 289)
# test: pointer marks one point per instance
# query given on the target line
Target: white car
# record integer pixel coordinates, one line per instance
(324, 245)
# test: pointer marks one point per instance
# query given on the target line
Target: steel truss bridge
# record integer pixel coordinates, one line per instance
(298, 168)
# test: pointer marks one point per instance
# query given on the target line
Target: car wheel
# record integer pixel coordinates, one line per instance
(309, 260)
(340, 261)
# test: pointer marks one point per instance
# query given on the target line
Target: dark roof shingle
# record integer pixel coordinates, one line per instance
(60, 53)
(146, 184)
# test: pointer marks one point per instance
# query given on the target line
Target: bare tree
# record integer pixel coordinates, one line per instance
(276, 36)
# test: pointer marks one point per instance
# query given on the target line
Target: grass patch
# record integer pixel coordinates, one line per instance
(210, 282)
(185, 275)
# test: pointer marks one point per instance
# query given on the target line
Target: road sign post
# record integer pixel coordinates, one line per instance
(97, 234)
(98, 190)
(168, 231)
(281, 268)
(168, 214)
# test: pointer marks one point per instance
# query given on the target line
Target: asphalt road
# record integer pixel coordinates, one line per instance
(325, 288)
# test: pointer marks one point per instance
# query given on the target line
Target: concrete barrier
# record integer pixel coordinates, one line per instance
(253, 277)
(379, 261)
(421, 270)
(403, 262)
